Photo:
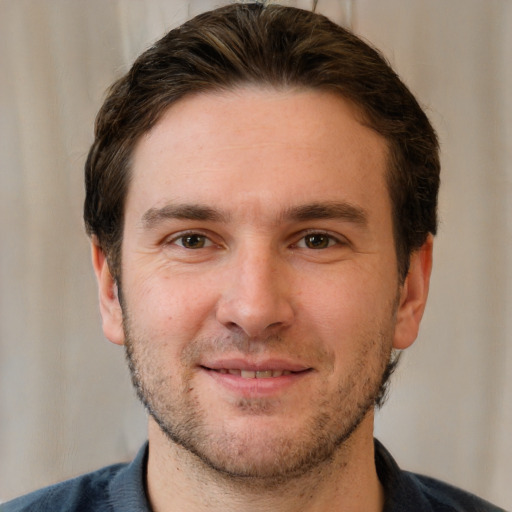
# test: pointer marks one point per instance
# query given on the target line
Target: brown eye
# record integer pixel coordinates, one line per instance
(318, 241)
(192, 241)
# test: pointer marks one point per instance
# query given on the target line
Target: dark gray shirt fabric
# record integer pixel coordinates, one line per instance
(121, 488)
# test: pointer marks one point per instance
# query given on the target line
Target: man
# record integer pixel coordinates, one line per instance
(261, 199)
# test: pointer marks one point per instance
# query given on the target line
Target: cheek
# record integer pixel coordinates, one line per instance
(347, 307)
(170, 307)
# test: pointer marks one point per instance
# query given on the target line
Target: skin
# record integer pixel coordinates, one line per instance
(258, 237)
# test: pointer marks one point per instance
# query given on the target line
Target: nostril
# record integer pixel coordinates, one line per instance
(233, 326)
(238, 310)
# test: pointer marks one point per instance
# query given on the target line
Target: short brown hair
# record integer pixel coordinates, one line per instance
(267, 45)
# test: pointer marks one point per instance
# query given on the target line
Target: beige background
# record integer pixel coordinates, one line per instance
(66, 405)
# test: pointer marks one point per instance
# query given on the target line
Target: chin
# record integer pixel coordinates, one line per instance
(266, 449)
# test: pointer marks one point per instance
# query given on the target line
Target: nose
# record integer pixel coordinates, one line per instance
(256, 294)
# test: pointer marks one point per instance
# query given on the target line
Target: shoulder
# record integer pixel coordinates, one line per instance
(117, 488)
(443, 497)
(85, 493)
(407, 491)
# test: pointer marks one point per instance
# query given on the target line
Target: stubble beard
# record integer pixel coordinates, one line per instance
(243, 456)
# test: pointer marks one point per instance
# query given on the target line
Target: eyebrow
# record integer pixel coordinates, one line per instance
(302, 213)
(328, 210)
(155, 216)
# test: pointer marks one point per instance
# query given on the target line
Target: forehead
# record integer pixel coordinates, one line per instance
(259, 148)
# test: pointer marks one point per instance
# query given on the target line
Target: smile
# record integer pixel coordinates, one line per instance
(250, 374)
(252, 379)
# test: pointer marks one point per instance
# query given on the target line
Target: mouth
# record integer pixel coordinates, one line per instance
(267, 368)
(252, 374)
(255, 379)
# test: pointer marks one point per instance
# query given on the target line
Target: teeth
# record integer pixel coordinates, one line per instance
(250, 374)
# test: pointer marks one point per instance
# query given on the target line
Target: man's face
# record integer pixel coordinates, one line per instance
(259, 276)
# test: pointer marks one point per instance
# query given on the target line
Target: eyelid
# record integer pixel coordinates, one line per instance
(172, 239)
(338, 239)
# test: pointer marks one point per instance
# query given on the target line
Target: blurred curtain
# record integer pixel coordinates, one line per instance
(66, 404)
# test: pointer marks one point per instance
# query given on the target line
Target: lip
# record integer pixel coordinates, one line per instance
(262, 386)
(254, 365)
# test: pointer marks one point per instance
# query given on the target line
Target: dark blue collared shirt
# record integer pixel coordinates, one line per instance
(121, 488)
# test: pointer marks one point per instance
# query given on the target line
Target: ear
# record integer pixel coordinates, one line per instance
(110, 307)
(413, 296)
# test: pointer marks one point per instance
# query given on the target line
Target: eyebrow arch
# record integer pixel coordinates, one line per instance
(328, 210)
(155, 216)
(301, 213)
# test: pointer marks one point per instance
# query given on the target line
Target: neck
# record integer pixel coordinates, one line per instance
(177, 480)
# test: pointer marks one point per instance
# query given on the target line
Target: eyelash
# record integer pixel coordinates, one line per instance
(331, 239)
(190, 234)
